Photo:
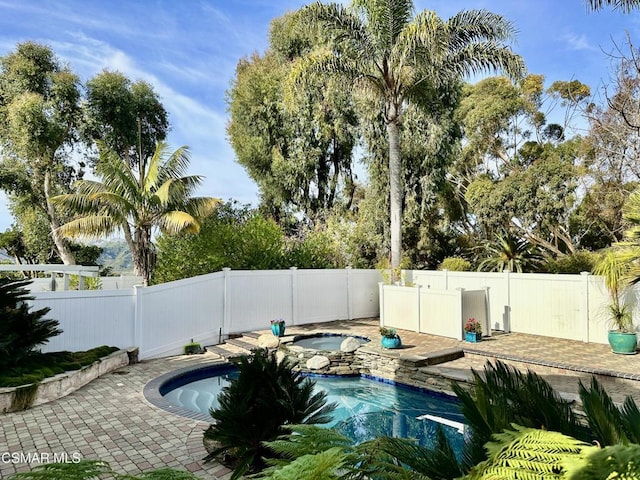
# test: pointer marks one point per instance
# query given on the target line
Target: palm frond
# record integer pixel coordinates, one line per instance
(470, 26)
(345, 29)
(624, 5)
(90, 227)
(177, 221)
(482, 57)
(605, 419)
(385, 19)
(502, 395)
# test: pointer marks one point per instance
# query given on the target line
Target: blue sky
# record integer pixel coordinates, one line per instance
(188, 51)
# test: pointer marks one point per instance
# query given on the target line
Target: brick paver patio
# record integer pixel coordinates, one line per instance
(110, 419)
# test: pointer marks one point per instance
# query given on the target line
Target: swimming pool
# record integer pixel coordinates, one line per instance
(367, 407)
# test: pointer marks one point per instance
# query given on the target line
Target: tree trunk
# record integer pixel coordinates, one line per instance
(395, 193)
(144, 256)
(62, 245)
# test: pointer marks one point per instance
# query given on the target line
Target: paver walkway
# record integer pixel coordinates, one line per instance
(109, 419)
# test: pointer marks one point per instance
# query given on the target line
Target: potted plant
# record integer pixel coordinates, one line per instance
(277, 327)
(390, 338)
(613, 266)
(193, 348)
(472, 330)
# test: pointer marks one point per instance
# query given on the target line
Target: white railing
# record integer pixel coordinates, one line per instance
(161, 319)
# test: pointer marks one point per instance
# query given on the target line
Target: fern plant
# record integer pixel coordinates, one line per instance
(612, 462)
(528, 453)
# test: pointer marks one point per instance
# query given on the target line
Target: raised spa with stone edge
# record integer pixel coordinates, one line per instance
(333, 353)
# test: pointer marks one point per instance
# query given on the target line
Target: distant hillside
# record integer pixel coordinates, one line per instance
(115, 254)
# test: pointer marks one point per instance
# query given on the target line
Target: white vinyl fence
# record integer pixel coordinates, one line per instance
(161, 319)
(433, 311)
(564, 306)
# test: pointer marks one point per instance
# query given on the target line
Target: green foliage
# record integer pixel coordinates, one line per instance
(298, 152)
(136, 200)
(258, 406)
(126, 116)
(612, 462)
(38, 366)
(501, 396)
(21, 330)
(241, 239)
(423, 57)
(528, 453)
(90, 283)
(39, 115)
(509, 253)
(578, 262)
(95, 469)
(609, 423)
(455, 264)
(519, 427)
(516, 170)
(324, 465)
(613, 264)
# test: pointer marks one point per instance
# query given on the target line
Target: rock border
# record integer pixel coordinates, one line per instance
(15, 399)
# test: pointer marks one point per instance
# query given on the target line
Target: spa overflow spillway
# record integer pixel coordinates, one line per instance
(366, 407)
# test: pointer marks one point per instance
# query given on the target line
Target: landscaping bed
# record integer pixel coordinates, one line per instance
(46, 383)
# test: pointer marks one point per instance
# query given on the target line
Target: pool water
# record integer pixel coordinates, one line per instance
(324, 341)
(366, 409)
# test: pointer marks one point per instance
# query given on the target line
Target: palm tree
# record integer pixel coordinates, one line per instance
(624, 5)
(509, 253)
(396, 56)
(158, 195)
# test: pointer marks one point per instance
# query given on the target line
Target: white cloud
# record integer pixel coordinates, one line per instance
(578, 42)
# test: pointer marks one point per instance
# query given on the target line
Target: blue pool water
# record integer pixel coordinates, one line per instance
(324, 341)
(367, 408)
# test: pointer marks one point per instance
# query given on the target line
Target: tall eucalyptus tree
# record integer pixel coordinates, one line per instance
(396, 56)
(39, 116)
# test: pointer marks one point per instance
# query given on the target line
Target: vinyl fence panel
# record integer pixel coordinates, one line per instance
(170, 315)
(89, 319)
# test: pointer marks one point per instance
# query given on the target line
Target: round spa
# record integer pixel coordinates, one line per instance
(324, 341)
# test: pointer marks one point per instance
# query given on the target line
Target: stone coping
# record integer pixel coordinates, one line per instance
(478, 350)
(61, 385)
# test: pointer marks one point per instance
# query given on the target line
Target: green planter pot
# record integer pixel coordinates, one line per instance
(623, 342)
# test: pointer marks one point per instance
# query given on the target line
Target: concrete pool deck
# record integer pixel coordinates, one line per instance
(109, 419)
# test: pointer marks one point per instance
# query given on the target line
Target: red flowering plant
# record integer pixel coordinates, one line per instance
(473, 326)
(277, 321)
